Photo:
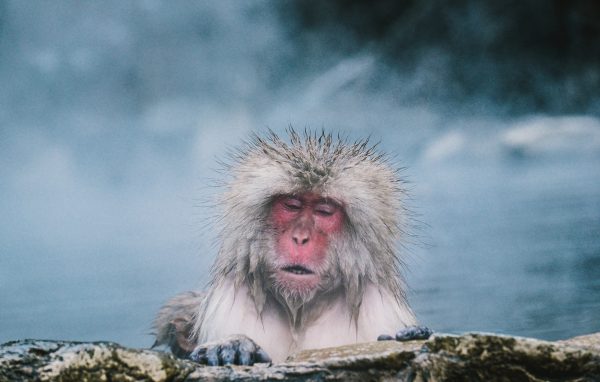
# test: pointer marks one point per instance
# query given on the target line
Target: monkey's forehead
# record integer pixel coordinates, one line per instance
(368, 188)
(308, 169)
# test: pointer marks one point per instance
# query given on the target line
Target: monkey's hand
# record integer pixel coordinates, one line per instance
(408, 334)
(233, 350)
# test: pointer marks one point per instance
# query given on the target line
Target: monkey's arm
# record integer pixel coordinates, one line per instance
(174, 325)
(174, 322)
(408, 334)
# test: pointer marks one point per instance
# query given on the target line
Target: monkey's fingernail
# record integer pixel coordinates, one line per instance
(385, 337)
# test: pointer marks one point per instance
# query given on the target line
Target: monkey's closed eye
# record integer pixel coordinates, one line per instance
(325, 209)
(324, 212)
(292, 207)
(292, 203)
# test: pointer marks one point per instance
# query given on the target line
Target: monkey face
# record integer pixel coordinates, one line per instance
(304, 226)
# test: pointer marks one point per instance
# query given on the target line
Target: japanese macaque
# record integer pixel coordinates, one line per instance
(308, 257)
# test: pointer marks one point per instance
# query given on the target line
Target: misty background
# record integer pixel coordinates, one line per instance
(113, 116)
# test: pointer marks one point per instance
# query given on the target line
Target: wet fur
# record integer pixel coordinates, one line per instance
(361, 294)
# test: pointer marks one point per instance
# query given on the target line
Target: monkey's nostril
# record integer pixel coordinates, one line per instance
(299, 240)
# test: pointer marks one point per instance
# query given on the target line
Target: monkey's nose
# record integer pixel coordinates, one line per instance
(300, 239)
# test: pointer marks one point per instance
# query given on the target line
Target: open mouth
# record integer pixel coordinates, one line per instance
(297, 270)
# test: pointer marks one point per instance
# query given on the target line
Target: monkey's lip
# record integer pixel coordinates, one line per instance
(297, 270)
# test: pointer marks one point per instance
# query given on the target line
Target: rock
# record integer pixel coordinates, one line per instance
(472, 356)
(589, 340)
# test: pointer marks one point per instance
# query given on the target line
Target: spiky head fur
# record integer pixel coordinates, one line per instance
(354, 173)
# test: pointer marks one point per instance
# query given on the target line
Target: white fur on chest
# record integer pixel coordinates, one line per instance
(379, 314)
(229, 312)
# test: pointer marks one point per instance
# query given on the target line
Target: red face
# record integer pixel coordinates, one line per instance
(304, 225)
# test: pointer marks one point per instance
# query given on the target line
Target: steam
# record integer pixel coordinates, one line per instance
(113, 116)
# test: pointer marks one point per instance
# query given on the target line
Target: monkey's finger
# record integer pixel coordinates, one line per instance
(212, 356)
(261, 356)
(246, 350)
(227, 354)
(245, 358)
(199, 355)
